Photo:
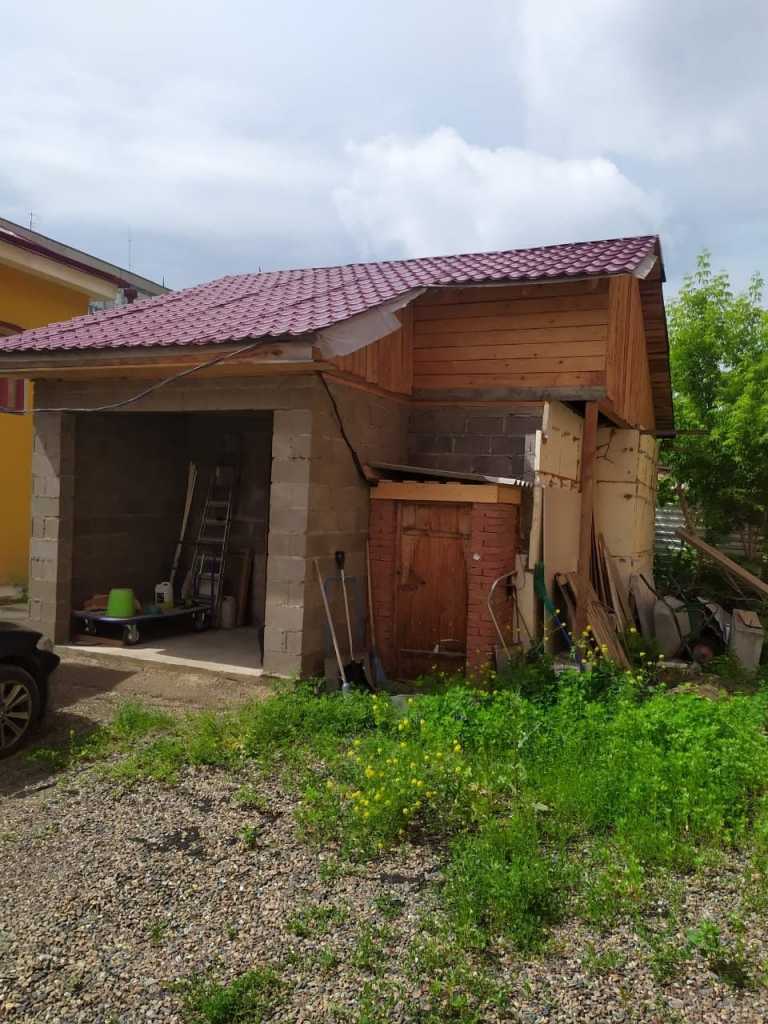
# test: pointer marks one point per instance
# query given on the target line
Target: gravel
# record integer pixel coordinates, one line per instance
(108, 898)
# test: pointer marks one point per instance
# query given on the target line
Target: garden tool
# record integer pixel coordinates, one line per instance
(379, 675)
(540, 589)
(354, 670)
(342, 675)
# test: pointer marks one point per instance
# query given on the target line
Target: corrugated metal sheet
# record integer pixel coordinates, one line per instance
(669, 519)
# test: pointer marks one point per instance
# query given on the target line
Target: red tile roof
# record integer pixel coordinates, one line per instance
(295, 302)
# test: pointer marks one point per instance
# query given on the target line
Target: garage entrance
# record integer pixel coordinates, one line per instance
(132, 473)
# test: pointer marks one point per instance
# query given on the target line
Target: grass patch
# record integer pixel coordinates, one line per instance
(315, 919)
(249, 999)
(574, 797)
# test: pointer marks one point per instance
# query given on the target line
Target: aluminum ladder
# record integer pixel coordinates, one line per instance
(212, 543)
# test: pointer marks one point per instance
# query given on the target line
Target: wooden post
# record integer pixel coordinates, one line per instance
(588, 451)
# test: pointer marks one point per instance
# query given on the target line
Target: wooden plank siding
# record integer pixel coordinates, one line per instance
(386, 363)
(602, 338)
(628, 379)
(535, 336)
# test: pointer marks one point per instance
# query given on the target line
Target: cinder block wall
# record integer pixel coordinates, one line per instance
(339, 502)
(131, 476)
(53, 489)
(466, 439)
(291, 397)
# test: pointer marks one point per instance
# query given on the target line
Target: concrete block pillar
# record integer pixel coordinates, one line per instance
(53, 493)
(288, 569)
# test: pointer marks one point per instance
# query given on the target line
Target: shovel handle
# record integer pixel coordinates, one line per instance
(329, 618)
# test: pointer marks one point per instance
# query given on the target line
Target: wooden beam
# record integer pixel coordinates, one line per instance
(725, 563)
(587, 480)
(567, 393)
(157, 358)
(411, 490)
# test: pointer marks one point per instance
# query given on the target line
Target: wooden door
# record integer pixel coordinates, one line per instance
(431, 612)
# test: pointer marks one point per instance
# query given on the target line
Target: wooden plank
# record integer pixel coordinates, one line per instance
(526, 336)
(726, 563)
(615, 587)
(530, 329)
(588, 453)
(592, 310)
(469, 293)
(433, 546)
(499, 349)
(407, 490)
(511, 365)
(605, 634)
(628, 372)
(528, 380)
(487, 393)
(602, 627)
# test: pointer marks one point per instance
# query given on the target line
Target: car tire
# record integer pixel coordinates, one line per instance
(19, 707)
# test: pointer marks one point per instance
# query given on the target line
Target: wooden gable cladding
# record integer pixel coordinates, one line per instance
(537, 336)
(657, 343)
(386, 363)
(628, 378)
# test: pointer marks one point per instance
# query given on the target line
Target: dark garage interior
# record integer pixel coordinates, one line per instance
(132, 473)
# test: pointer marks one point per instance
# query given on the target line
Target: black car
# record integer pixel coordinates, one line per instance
(25, 667)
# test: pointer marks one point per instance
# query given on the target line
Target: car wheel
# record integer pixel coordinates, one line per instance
(19, 707)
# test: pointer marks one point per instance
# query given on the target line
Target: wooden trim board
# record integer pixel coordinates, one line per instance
(407, 490)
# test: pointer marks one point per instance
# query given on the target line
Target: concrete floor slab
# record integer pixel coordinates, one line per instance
(223, 651)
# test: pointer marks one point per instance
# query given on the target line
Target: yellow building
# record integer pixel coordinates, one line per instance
(41, 282)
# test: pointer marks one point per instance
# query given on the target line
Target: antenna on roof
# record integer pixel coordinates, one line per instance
(31, 219)
(130, 251)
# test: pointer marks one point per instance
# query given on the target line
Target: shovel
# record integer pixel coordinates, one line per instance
(354, 670)
(342, 675)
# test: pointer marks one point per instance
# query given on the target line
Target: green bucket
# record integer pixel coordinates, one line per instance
(121, 603)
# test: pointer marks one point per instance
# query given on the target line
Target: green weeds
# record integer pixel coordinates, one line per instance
(314, 919)
(248, 999)
(552, 798)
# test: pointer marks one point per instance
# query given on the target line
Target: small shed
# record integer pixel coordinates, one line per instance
(437, 543)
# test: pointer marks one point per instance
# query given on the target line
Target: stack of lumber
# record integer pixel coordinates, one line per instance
(608, 610)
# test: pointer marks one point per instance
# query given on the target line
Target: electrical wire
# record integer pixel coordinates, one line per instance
(147, 391)
(340, 421)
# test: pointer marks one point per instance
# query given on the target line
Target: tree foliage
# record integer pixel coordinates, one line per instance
(719, 357)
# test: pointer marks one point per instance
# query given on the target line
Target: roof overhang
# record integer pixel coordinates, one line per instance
(30, 262)
(25, 240)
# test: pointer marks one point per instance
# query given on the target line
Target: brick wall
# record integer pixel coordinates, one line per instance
(383, 548)
(495, 442)
(491, 552)
(495, 540)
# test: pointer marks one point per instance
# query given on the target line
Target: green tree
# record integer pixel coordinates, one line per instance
(719, 357)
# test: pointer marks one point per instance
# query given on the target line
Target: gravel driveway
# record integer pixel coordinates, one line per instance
(110, 897)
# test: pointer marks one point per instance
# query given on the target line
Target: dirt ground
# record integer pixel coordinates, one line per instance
(85, 691)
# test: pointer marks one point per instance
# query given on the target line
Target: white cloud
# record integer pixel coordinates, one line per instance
(166, 166)
(652, 79)
(439, 194)
(224, 137)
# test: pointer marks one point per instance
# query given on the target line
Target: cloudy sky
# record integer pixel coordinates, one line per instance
(212, 138)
